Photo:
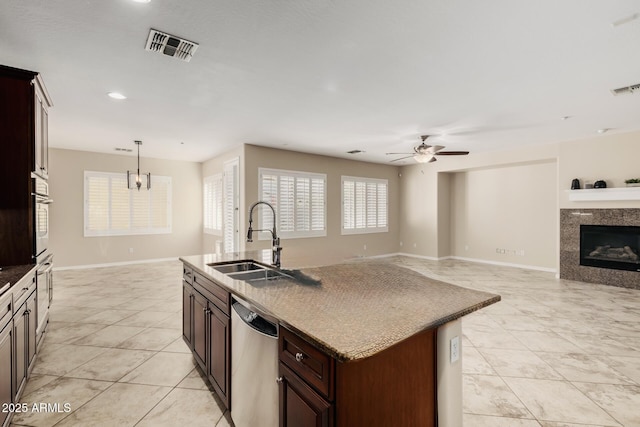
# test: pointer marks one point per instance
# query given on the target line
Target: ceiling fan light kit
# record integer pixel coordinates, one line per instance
(425, 153)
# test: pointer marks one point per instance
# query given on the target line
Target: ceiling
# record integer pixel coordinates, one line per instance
(329, 76)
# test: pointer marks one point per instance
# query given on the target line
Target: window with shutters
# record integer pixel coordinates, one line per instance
(212, 203)
(364, 205)
(111, 209)
(299, 199)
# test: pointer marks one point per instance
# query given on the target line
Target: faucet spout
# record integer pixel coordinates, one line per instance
(275, 240)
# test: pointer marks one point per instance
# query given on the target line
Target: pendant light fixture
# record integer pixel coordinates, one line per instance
(135, 180)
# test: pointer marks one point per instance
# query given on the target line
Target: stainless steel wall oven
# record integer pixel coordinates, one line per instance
(41, 220)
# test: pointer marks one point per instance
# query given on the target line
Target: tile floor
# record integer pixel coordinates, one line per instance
(552, 353)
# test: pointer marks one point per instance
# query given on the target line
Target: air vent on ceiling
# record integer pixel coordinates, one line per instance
(128, 150)
(627, 90)
(170, 45)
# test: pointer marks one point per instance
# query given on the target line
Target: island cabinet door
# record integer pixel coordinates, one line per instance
(200, 315)
(187, 314)
(300, 405)
(218, 368)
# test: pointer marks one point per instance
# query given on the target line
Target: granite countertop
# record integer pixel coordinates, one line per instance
(358, 309)
(12, 275)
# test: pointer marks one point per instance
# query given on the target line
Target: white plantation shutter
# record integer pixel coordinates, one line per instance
(212, 203)
(382, 205)
(317, 204)
(111, 209)
(299, 199)
(230, 203)
(364, 205)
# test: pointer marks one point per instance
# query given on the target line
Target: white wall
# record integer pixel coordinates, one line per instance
(506, 215)
(334, 247)
(612, 158)
(66, 185)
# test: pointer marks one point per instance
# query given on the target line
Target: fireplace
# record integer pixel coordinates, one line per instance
(610, 246)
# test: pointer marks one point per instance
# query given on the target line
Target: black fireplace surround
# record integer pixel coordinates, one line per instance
(610, 246)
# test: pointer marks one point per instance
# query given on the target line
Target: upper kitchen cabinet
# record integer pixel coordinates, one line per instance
(42, 102)
(24, 112)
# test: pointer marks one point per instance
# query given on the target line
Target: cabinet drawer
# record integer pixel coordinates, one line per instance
(216, 294)
(187, 274)
(6, 308)
(311, 364)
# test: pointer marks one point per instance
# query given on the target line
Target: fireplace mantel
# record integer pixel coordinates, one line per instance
(604, 194)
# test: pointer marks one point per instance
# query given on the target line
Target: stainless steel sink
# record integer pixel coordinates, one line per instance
(237, 267)
(250, 272)
(256, 275)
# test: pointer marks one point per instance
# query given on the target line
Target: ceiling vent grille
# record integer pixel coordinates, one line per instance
(627, 90)
(170, 45)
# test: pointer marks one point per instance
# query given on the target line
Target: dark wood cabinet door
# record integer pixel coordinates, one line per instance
(300, 405)
(32, 324)
(218, 369)
(6, 368)
(187, 314)
(200, 315)
(20, 349)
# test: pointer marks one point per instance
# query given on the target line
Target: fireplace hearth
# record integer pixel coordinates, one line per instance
(610, 246)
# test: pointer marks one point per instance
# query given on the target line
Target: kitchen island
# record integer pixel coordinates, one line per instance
(361, 343)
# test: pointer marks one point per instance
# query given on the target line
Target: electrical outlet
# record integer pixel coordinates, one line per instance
(455, 348)
(365, 247)
(130, 250)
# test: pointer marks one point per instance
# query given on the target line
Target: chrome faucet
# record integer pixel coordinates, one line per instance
(275, 240)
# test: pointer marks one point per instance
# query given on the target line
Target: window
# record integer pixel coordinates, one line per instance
(212, 202)
(299, 200)
(111, 209)
(364, 205)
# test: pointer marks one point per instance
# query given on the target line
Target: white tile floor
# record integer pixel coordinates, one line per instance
(552, 353)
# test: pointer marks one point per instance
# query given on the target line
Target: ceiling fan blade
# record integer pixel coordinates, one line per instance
(451, 153)
(434, 149)
(402, 158)
(399, 154)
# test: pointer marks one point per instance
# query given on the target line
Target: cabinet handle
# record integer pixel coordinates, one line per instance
(279, 380)
(204, 310)
(299, 357)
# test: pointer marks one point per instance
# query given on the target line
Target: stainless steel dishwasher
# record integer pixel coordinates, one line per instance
(254, 369)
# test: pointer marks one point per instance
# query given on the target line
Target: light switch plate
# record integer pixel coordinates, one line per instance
(455, 349)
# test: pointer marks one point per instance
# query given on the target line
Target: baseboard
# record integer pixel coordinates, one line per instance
(479, 261)
(113, 264)
(506, 264)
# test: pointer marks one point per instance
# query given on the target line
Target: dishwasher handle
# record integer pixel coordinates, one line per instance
(255, 321)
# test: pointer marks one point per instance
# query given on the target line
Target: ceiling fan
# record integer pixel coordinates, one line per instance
(425, 153)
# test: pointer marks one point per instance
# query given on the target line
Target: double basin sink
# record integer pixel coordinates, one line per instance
(249, 271)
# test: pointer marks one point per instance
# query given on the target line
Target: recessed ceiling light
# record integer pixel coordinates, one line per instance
(116, 95)
(603, 130)
(142, 1)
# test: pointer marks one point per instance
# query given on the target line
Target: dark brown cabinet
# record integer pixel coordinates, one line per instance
(300, 405)
(24, 104)
(187, 309)
(218, 370)
(187, 306)
(394, 387)
(206, 328)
